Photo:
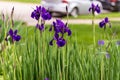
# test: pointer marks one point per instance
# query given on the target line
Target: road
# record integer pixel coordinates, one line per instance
(22, 12)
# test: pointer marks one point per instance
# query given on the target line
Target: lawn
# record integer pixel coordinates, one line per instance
(100, 16)
(76, 61)
(1, 78)
(83, 33)
(33, 58)
(48, 52)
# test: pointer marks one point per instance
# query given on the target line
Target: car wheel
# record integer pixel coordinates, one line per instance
(74, 12)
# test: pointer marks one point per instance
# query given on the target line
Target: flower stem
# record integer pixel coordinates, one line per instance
(93, 24)
(102, 68)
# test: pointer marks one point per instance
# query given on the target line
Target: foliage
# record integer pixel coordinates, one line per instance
(99, 16)
(32, 58)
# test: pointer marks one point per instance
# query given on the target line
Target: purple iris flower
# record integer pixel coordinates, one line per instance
(107, 55)
(61, 42)
(40, 27)
(45, 14)
(46, 78)
(41, 12)
(94, 8)
(36, 13)
(101, 42)
(118, 43)
(59, 29)
(104, 22)
(13, 35)
(51, 42)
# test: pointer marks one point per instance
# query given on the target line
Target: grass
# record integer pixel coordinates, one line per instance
(84, 33)
(33, 58)
(100, 16)
(1, 78)
(81, 32)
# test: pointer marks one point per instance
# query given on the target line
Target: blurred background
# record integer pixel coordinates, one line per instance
(78, 10)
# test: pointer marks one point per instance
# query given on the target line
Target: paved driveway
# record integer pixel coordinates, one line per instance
(22, 11)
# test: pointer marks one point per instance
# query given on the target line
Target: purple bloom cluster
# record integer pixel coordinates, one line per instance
(107, 55)
(40, 13)
(101, 42)
(59, 30)
(46, 78)
(104, 22)
(40, 26)
(13, 35)
(94, 8)
(118, 43)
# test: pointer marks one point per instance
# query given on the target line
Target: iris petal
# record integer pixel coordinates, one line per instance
(106, 20)
(69, 32)
(18, 37)
(51, 42)
(94, 8)
(101, 42)
(32, 14)
(41, 27)
(102, 24)
(61, 42)
(13, 35)
(10, 32)
(15, 32)
(56, 36)
(60, 29)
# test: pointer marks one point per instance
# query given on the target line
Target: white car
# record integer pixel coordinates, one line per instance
(75, 7)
